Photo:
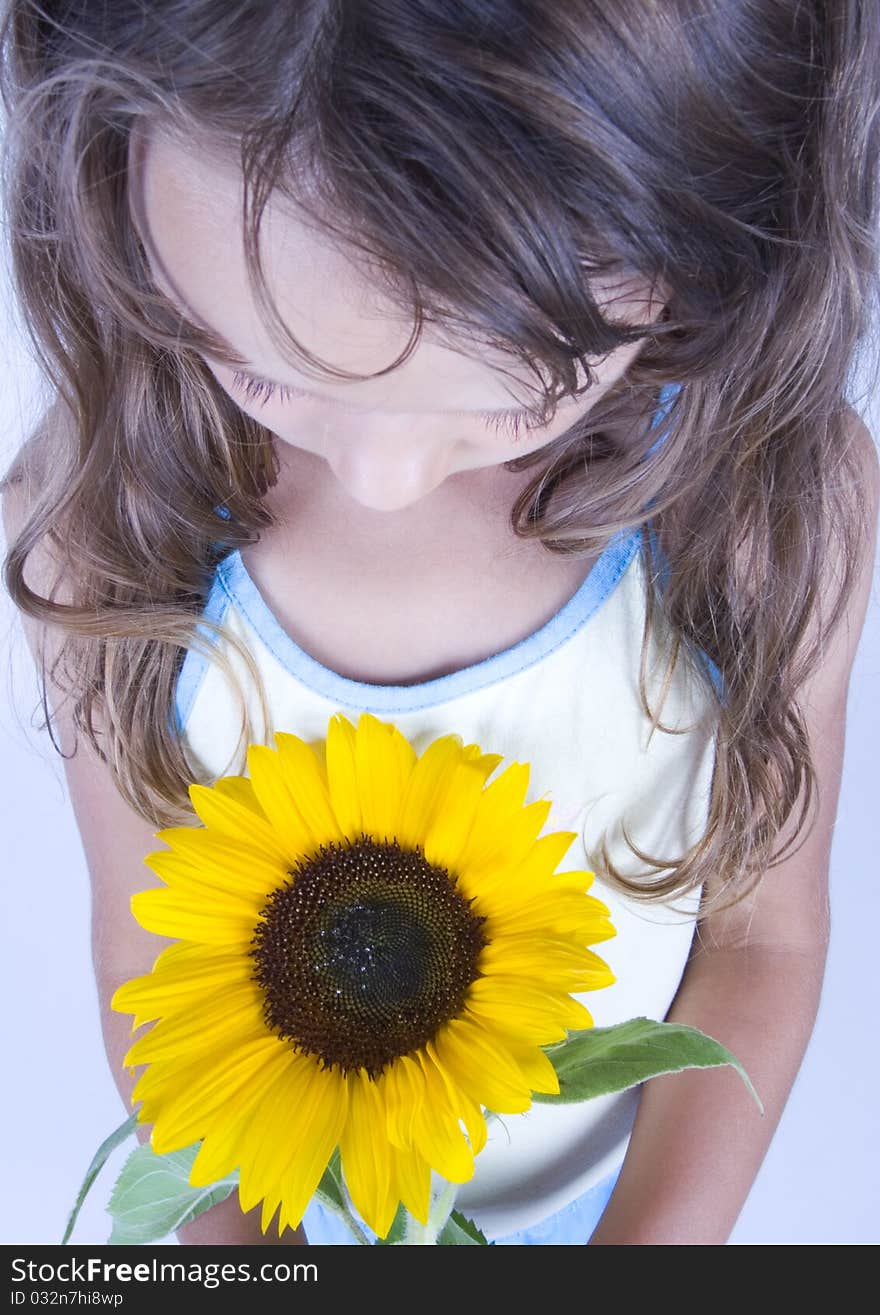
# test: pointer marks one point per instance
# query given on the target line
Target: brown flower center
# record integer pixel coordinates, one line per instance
(364, 953)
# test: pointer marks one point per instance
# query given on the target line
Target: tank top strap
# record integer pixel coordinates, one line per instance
(667, 396)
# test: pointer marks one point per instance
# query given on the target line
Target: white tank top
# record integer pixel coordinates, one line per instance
(565, 700)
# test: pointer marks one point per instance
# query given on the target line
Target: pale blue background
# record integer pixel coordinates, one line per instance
(818, 1184)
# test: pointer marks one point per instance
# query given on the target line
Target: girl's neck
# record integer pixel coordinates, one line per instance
(307, 499)
(411, 595)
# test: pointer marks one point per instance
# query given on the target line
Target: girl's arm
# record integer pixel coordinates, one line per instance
(115, 841)
(753, 982)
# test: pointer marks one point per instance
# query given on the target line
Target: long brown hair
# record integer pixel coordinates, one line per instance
(722, 149)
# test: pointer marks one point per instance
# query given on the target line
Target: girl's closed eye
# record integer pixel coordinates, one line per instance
(513, 422)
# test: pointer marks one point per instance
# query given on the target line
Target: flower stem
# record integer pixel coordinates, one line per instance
(339, 1203)
(418, 1234)
(360, 1235)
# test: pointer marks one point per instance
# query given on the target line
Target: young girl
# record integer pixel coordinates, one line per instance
(482, 367)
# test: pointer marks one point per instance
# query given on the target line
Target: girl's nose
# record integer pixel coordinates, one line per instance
(385, 463)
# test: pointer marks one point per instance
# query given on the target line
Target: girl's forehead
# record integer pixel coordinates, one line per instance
(187, 208)
(187, 205)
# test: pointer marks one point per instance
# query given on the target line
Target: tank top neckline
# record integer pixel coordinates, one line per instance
(240, 589)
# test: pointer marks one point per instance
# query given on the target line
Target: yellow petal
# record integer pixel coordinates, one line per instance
(481, 1067)
(230, 864)
(411, 1182)
(366, 1154)
(530, 1025)
(223, 811)
(273, 1133)
(191, 1099)
(270, 1205)
(474, 1120)
(404, 1094)
(562, 915)
(382, 776)
(232, 1014)
(342, 776)
(537, 1069)
(523, 887)
(512, 993)
(531, 956)
(177, 986)
(436, 1131)
(307, 786)
(241, 789)
(497, 820)
(300, 1124)
(220, 1151)
(218, 1154)
(270, 785)
(402, 764)
(318, 1105)
(201, 880)
(171, 914)
(533, 870)
(428, 788)
(487, 762)
(467, 1110)
(447, 832)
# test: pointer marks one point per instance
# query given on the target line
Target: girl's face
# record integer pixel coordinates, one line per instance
(389, 441)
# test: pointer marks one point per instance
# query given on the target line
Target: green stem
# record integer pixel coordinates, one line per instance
(346, 1216)
(356, 1229)
(418, 1234)
(99, 1159)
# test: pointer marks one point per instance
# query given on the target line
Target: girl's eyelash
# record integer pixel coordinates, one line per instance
(509, 422)
(260, 390)
(513, 422)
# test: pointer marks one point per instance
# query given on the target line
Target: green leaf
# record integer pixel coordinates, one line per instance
(331, 1190)
(397, 1231)
(153, 1195)
(603, 1059)
(460, 1231)
(99, 1159)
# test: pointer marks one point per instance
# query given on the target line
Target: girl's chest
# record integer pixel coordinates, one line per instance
(391, 611)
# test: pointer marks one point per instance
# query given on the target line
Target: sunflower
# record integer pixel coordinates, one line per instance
(373, 946)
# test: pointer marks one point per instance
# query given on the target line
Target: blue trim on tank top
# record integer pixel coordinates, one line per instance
(195, 665)
(367, 697)
(233, 584)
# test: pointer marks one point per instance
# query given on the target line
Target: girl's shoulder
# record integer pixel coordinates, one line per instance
(43, 569)
(866, 451)
(40, 452)
(839, 653)
(24, 479)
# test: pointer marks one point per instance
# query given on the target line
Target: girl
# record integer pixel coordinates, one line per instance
(482, 367)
